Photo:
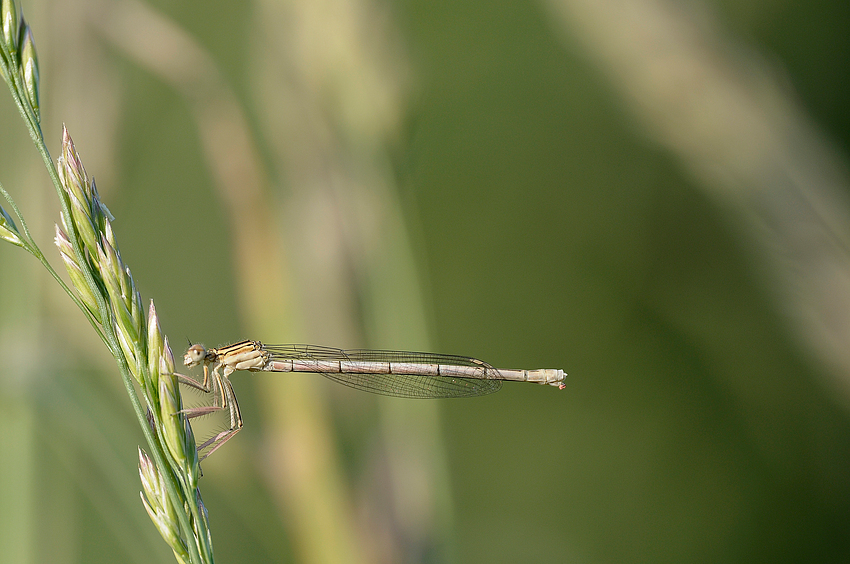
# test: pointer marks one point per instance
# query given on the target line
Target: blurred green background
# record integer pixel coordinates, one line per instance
(651, 196)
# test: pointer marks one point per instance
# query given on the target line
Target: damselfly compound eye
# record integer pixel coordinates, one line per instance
(194, 355)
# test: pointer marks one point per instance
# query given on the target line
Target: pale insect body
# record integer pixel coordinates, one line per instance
(393, 373)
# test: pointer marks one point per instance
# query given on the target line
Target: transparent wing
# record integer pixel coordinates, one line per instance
(399, 383)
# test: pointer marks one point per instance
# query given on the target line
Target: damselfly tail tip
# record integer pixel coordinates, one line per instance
(562, 376)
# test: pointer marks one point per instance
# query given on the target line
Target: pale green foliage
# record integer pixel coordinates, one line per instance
(106, 293)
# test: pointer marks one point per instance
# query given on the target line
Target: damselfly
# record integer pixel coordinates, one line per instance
(390, 373)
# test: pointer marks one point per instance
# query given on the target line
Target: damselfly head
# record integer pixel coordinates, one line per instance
(194, 355)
